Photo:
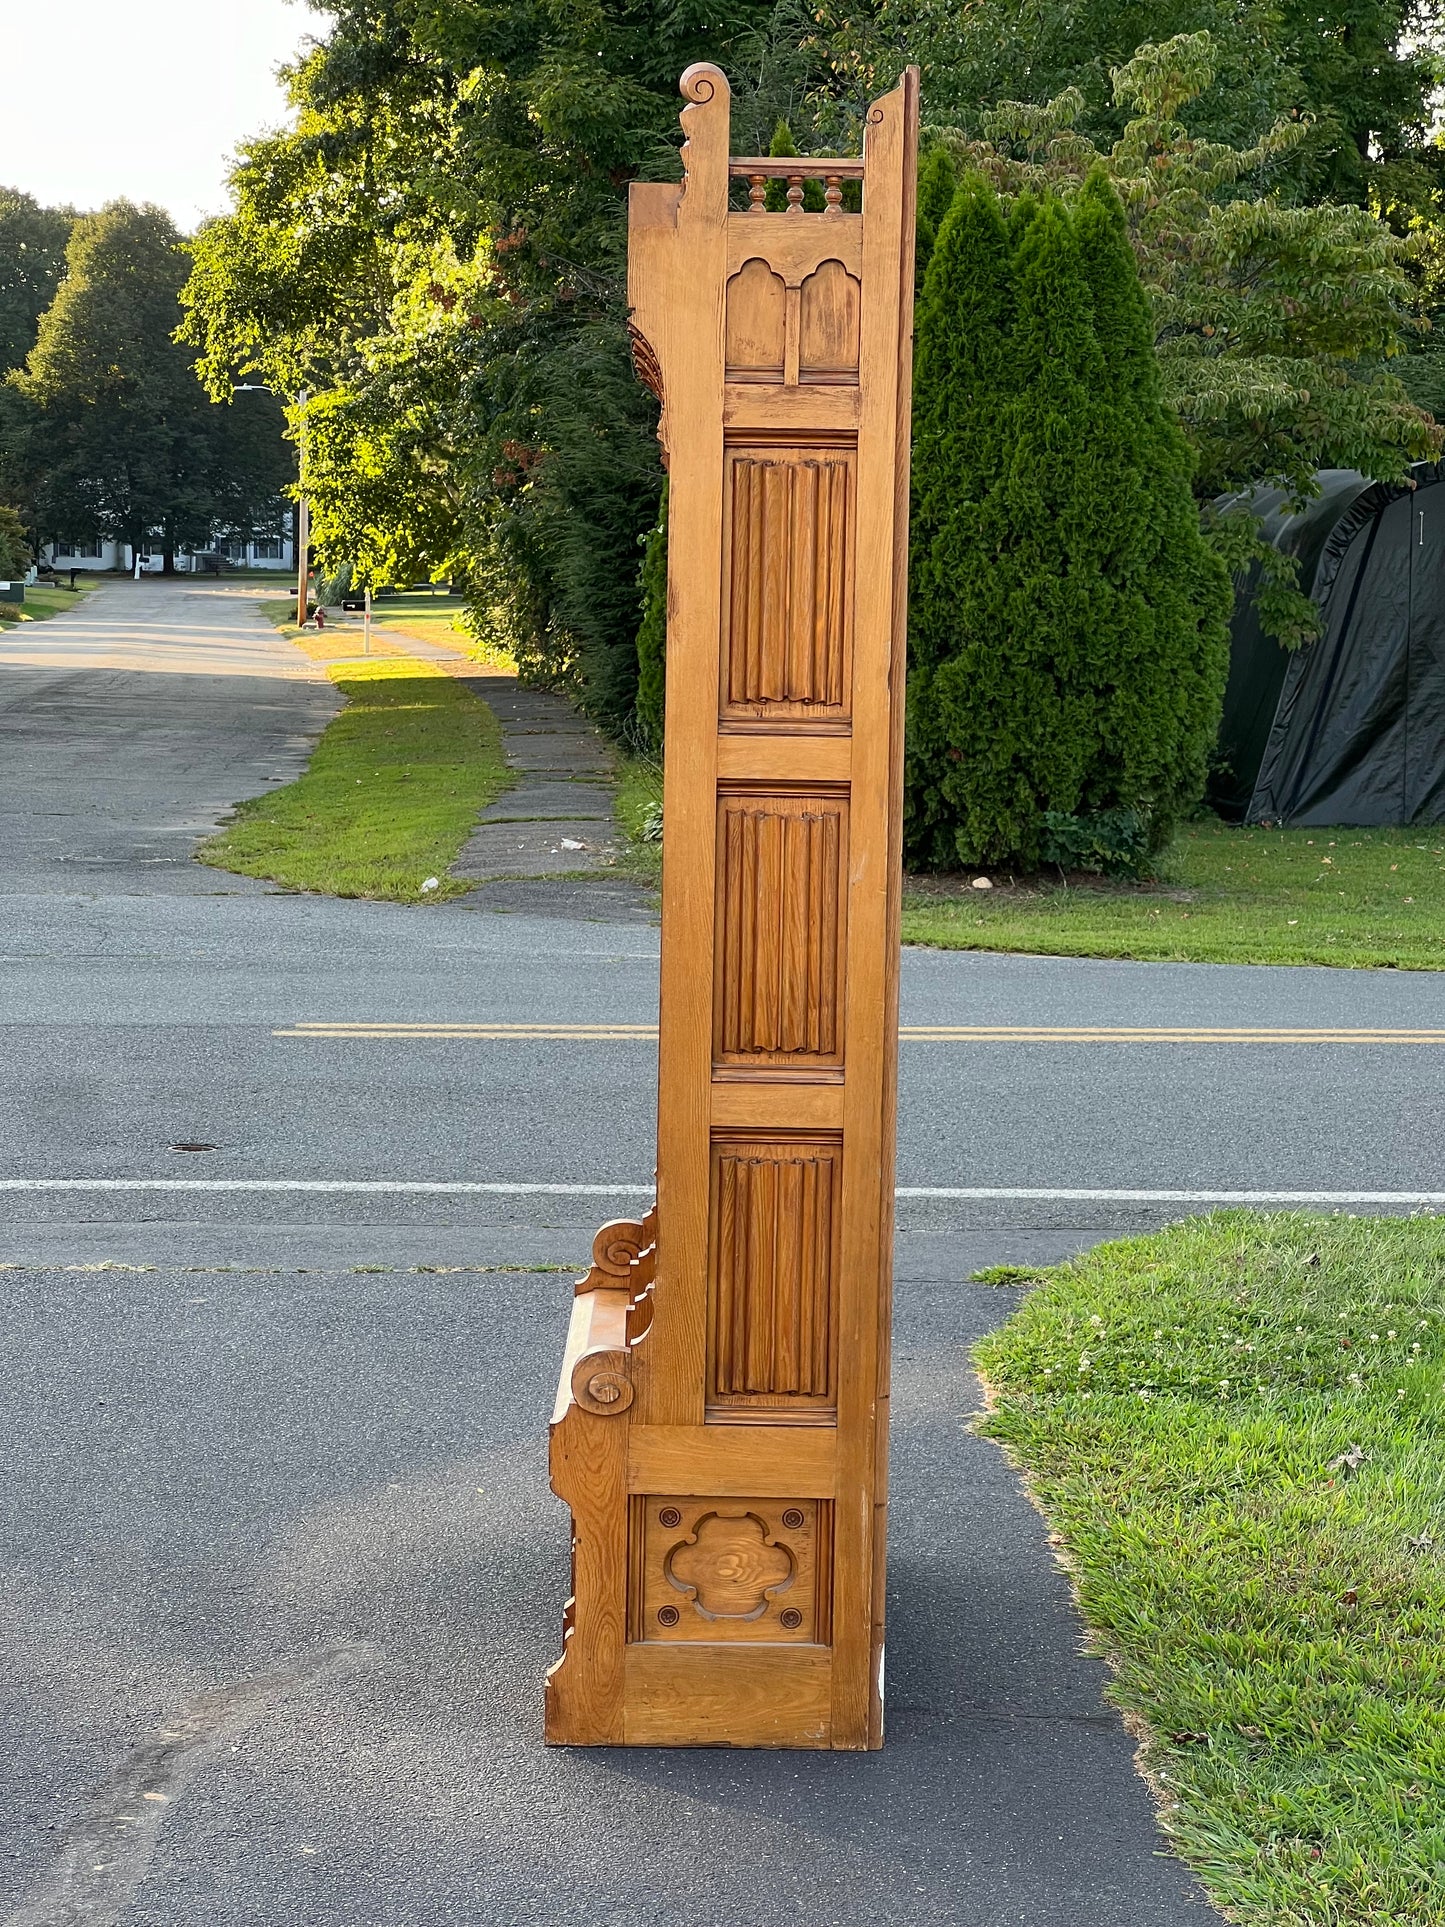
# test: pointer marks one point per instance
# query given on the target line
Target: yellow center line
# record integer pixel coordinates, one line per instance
(910, 1033)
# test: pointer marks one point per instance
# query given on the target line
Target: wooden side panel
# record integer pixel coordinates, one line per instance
(790, 567)
(831, 311)
(742, 1695)
(748, 1569)
(781, 931)
(721, 1432)
(774, 1277)
(775, 1461)
(757, 304)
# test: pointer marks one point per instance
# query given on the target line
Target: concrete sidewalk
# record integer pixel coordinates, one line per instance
(281, 1551)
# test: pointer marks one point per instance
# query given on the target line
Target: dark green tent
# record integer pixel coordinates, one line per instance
(1349, 729)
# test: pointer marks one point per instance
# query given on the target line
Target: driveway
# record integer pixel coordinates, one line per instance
(281, 1573)
(130, 726)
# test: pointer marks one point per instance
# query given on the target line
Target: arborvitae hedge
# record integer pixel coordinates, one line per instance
(1068, 626)
(652, 635)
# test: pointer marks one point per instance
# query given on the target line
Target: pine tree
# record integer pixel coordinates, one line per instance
(1068, 626)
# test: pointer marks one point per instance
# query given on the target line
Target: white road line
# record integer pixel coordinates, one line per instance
(352, 1186)
(968, 1194)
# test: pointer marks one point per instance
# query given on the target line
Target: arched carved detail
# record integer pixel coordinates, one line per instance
(646, 366)
(831, 325)
(757, 316)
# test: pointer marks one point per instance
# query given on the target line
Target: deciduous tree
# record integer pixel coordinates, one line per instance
(123, 441)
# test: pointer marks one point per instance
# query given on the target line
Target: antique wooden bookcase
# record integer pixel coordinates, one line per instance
(721, 1429)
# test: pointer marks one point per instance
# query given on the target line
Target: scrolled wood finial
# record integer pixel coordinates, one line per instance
(702, 82)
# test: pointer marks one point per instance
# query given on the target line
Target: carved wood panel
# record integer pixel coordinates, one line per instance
(789, 590)
(747, 1351)
(831, 315)
(773, 1288)
(781, 931)
(757, 301)
(728, 1570)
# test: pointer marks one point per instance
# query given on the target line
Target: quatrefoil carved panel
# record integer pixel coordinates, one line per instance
(730, 1566)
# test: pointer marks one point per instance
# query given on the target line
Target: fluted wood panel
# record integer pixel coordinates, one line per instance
(780, 931)
(789, 576)
(775, 1215)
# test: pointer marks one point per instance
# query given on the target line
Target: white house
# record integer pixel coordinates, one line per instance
(257, 552)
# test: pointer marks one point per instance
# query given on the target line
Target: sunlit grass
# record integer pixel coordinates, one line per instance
(391, 794)
(41, 604)
(1226, 895)
(1235, 1427)
(439, 619)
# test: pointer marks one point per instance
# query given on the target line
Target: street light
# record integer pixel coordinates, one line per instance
(303, 507)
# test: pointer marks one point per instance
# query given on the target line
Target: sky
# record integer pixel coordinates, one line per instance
(145, 101)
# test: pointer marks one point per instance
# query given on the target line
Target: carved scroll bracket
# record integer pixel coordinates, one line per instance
(602, 1382)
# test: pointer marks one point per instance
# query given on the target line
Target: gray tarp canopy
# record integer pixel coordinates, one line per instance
(1349, 729)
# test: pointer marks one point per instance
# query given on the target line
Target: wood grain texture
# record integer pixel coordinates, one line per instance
(730, 1523)
(781, 930)
(773, 1460)
(738, 1695)
(757, 303)
(774, 1242)
(790, 566)
(831, 308)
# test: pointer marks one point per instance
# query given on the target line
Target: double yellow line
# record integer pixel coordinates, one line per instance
(910, 1033)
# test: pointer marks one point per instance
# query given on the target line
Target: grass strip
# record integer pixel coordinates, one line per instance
(1235, 1428)
(440, 619)
(1363, 898)
(391, 794)
(41, 604)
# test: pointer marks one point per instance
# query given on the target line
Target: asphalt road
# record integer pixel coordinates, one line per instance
(277, 1546)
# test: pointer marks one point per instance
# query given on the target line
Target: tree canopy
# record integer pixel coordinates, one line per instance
(437, 251)
(119, 438)
(33, 240)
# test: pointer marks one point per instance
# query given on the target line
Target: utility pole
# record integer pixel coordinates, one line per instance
(303, 521)
(303, 507)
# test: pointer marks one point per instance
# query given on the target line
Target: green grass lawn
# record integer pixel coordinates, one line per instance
(436, 618)
(1226, 895)
(1236, 1428)
(392, 792)
(41, 604)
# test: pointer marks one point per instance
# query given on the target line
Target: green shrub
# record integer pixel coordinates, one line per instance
(1113, 843)
(15, 554)
(1068, 633)
(11, 612)
(652, 634)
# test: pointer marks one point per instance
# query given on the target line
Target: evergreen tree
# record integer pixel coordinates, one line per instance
(1178, 590)
(937, 184)
(652, 635)
(1068, 637)
(962, 381)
